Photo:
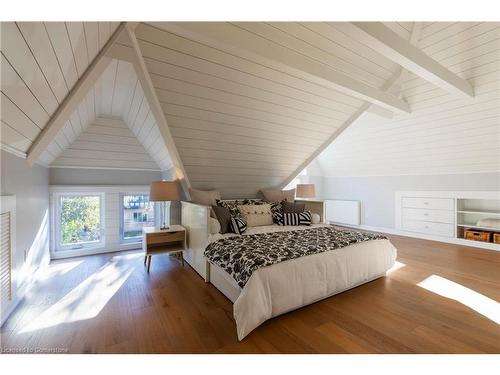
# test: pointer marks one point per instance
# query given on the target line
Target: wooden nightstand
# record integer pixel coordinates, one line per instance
(156, 241)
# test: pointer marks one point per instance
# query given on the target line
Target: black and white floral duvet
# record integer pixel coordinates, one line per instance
(240, 256)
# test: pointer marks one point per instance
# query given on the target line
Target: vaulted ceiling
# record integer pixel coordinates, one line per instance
(41, 64)
(444, 134)
(243, 106)
(106, 143)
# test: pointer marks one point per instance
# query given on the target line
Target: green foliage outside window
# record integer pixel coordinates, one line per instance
(80, 219)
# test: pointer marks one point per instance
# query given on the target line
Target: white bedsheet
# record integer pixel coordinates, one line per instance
(289, 285)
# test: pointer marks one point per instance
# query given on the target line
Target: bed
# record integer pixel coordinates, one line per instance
(310, 263)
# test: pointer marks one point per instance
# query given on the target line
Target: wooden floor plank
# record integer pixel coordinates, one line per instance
(172, 309)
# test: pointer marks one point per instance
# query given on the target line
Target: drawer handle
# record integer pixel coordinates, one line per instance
(426, 227)
(426, 202)
(426, 214)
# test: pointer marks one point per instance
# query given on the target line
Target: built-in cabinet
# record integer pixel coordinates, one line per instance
(447, 216)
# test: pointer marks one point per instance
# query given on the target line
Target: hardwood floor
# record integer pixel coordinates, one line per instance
(110, 304)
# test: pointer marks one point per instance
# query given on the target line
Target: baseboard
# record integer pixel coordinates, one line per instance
(17, 299)
(82, 252)
(456, 241)
(20, 293)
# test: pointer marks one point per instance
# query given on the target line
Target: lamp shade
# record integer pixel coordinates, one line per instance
(305, 191)
(161, 191)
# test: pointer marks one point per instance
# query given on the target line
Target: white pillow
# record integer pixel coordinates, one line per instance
(213, 225)
(257, 214)
(315, 219)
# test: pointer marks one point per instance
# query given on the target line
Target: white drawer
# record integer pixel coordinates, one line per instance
(439, 229)
(422, 214)
(429, 203)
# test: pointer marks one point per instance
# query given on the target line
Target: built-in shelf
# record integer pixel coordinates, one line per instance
(482, 212)
(472, 226)
(446, 215)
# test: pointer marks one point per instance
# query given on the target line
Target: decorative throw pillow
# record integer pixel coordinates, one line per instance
(206, 198)
(293, 208)
(238, 225)
(232, 206)
(224, 217)
(315, 219)
(214, 226)
(257, 214)
(278, 195)
(276, 207)
(251, 201)
(303, 218)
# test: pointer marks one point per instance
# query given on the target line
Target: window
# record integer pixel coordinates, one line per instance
(137, 212)
(79, 221)
(140, 217)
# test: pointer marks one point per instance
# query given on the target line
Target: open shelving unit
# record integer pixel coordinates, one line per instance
(472, 211)
(446, 215)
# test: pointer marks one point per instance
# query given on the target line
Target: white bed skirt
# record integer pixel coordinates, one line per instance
(289, 285)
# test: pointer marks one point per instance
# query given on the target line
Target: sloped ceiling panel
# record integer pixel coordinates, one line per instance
(41, 62)
(117, 95)
(445, 133)
(239, 125)
(106, 143)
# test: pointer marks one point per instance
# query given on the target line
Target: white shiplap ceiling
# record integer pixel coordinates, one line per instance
(444, 134)
(116, 95)
(41, 63)
(106, 143)
(240, 120)
(239, 125)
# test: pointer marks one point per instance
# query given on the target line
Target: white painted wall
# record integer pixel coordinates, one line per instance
(80, 176)
(377, 194)
(31, 188)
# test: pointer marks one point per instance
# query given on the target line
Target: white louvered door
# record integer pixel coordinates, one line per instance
(5, 258)
(8, 286)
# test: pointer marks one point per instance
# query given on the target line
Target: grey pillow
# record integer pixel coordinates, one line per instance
(293, 208)
(206, 198)
(224, 216)
(278, 195)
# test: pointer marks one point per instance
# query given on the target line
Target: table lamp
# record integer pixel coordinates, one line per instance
(305, 191)
(163, 191)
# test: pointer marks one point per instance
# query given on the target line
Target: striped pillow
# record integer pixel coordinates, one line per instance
(302, 218)
(238, 225)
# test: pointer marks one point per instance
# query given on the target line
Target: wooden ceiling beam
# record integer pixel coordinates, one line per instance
(396, 87)
(155, 106)
(356, 115)
(234, 40)
(72, 100)
(382, 39)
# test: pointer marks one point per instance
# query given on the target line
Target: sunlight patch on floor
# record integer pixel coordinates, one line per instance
(87, 299)
(397, 266)
(468, 297)
(57, 269)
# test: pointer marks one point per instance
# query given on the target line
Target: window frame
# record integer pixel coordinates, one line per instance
(121, 217)
(76, 249)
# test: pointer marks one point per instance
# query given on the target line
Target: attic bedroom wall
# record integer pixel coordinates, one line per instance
(446, 143)
(30, 185)
(81, 176)
(377, 193)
